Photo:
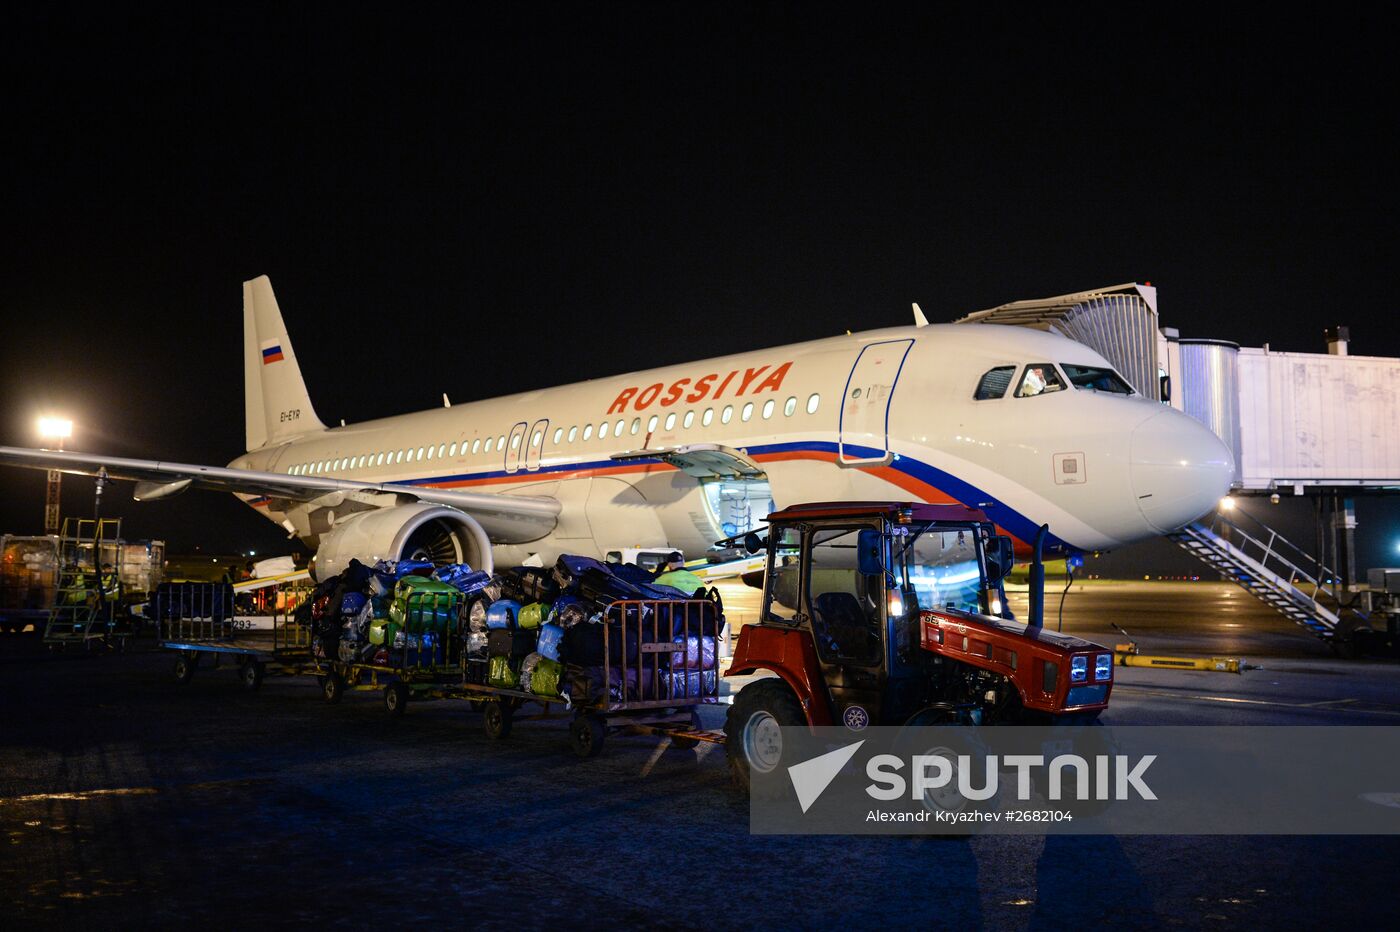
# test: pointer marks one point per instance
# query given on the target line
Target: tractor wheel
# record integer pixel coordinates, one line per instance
(497, 719)
(396, 698)
(586, 736)
(752, 729)
(332, 687)
(252, 675)
(184, 668)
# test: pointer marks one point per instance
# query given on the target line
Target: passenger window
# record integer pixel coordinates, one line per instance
(515, 441)
(688, 419)
(535, 440)
(558, 435)
(573, 433)
(617, 428)
(452, 450)
(442, 447)
(1040, 379)
(994, 383)
(845, 603)
(1096, 378)
(789, 407)
(430, 452)
(489, 442)
(603, 429)
(651, 424)
(501, 442)
(768, 409)
(380, 461)
(636, 425)
(707, 417)
(671, 421)
(812, 404)
(727, 414)
(747, 413)
(587, 431)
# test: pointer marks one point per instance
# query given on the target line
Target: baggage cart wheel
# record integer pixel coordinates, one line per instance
(184, 668)
(586, 735)
(332, 687)
(688, 744)
(252, 675)
(497, 719)
(396, 698)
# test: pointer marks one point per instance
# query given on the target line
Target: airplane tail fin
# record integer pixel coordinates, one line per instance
(277, 406)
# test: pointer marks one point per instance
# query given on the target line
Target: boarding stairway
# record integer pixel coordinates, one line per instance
(81, 613)
(1266, 565)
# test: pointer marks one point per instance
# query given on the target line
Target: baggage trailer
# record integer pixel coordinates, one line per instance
(647, 683)
(638, 687)
(427, 665)
(196, 622)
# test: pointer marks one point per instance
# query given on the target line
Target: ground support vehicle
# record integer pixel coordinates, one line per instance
(195, 621)
(893, 613)
(28, 577)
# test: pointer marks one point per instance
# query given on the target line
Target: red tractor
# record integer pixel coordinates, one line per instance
(890, 613)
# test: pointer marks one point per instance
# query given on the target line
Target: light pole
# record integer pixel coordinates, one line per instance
(55, 429)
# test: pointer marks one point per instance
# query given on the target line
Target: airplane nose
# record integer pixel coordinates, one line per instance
(1180, 469)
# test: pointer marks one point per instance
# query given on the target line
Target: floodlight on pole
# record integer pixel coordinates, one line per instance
(54, 429)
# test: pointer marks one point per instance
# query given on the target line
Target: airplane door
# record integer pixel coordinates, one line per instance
(539, 436)
(515, 448)
(865, 407)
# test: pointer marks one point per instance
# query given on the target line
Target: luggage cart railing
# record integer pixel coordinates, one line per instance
(429, 626)
(660, 653)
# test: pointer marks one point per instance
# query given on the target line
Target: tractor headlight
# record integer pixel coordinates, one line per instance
(1078, 669)
(1103, 667)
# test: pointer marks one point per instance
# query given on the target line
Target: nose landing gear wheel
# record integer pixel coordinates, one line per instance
(497, 720)
(586, 735)
(396, 698)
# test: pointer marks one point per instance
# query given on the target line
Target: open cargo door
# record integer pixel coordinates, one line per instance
(702, 461)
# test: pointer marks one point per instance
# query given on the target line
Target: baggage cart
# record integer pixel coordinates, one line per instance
(427, 664)
(653, 679)
(196, 622)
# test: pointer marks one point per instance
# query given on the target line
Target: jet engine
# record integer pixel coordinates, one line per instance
(404, 532)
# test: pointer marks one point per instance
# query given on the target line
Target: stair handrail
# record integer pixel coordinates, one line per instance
(1317, 577)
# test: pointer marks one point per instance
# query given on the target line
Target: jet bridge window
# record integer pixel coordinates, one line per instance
(1040, 378)
(1096, 378)
(994, 383)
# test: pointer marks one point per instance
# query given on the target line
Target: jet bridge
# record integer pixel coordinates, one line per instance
(1321, 425)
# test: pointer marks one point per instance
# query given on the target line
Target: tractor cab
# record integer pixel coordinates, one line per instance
(854, 579)
(879, 613)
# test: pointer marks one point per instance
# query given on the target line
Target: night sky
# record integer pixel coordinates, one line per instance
(486, 201)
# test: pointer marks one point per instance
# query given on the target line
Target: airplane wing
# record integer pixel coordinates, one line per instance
(502, 516)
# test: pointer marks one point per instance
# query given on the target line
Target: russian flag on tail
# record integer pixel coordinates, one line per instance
(272, 351)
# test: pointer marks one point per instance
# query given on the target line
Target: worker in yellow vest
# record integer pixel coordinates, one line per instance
(674, 574)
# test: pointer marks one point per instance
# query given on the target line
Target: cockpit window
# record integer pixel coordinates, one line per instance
(1096, 378)
(1040, 379)
(995, 383)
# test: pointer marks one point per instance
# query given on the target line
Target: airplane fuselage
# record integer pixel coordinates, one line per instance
(887, 414)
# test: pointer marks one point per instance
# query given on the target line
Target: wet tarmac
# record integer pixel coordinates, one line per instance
(127, 800)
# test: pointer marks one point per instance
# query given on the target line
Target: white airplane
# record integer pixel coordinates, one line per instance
(1031, 427)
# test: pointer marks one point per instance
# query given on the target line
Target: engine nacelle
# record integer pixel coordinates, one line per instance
(418, 532)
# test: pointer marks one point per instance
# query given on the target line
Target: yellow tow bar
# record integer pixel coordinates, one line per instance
(1126, 655)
